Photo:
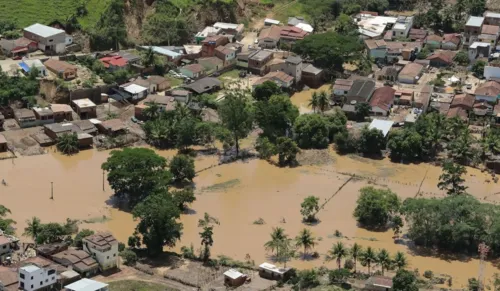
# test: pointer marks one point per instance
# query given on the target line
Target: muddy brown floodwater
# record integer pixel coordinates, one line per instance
(238, 194)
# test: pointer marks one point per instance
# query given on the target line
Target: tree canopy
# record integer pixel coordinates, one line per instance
(276, 116)
(375, 207)
(311, 131)
(182, 168)
(404, 281)
(265, 90)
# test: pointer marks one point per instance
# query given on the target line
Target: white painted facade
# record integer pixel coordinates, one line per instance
(106, 257)
(491, 72)
(32, 277)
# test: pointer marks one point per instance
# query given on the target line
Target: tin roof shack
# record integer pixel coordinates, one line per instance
(205, 85)
(378, 283)
(79, 261)
(63, 70)
(62, 112)
(49, 39)
(270, 271)
(233, 278)
(85, 108)
(112, 127)
(9, 279)
(44, 115)
(87, 285)
(361, 91)
(210, 43)
(25, 117)
(136, 92)
(104, 247)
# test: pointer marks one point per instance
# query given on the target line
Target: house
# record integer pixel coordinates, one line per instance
(230, 29)
(181, 96)
(102, 245)
(269, 37)
(192, 51)
(482, 109)
(374, 27)
(234, 278)
(361, 91)
(257, 61)
(209, 44)
(63, 70)
(135, 91)
(383, 125)
(464, 101)
(410, 74)
(62, 112)
(294, 20)
(396, 49)
(473, 29)
(6, 244)
(441, 58)
(404, 97)
(389, 73)
(270, 22)
(113, 63)
(488, 92)
(3, 144)
(32, 277)
(160, 83)
(27, 65)
(87, 285)
(290, 34)
(172, 56)
(78, 260)
(479, 50)
(85, 126)
(8, 279)
(17, 47)
(340, 88)
(205, 85)
(211, 64)
(377, 48)
(382, 100)
(388, 35)
(489, 33)
(143, 82)
(491, 18)
(402, 26)
(165, 103)
(236, 46)
(417, 34)
(85, 108)
(49, 39)
(56, 130)
(492, 72)
(293, 66)
(111, 127)
(422, 100)
(272, 272)
(206, 32)
(25, 117)
(433, 41)
(457, 112)
(47, 250)
(44, 115)
(312, 76)
(227, 55)
(451, 41)
(193, 71)
(378, 283)
(282, 79)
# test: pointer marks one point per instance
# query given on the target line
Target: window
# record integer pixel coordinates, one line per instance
(5, 246)
(41, 283)
(22, 285)
(114, 255)
(53, 278)
(46, 280)
(107, 257)
(21, 275)
(51, 272)
(31, 286)
(31, 277)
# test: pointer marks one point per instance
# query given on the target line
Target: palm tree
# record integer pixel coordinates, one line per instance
(368, 257)
(323, 101)
(306, 240)
(314, 102)
(356, 251)
(400, 260)
(277, 236)
(337, 252)
(34, 228)
(148, 57)
(152, 111)
(384, 260)
(68, 143)
(181, 111)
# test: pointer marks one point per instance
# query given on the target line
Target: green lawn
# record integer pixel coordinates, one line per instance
(174, 82)
(233, 74)
(128, 285)
(27, 12)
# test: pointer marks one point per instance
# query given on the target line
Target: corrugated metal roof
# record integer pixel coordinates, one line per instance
(382, 125)
(163, 51)
(86, 285)
(43, 30)
(475, 21)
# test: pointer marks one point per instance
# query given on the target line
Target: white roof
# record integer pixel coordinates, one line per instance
(453, 79)
(400, 26)
(477, 43)
(208, 31)
(82, 103)
(224, 25)
(192, 49)
(305, 27)
(95, 121)
(134, 89)
(374, 26)
(86, 285)
(43, 30)
(30, 268)
(382, 125)
(163, 51)
(475, 21)
(272, 268)
(492, 14)
(272, 21)
(34, 63)
(69, 274)
(233, 274)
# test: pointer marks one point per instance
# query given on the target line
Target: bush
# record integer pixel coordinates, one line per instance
(121, 247)
(182, 167)
(349, 264)
(338, 276)
(345, 143)
(375, 207)
(77, 242)
(129, 256)
(311, 131)
(428, 274)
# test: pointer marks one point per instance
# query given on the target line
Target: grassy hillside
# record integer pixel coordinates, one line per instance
(27, 12)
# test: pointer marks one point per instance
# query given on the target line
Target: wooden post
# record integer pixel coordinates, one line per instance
(52, 190)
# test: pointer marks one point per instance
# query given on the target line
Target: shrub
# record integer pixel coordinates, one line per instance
(129, 256)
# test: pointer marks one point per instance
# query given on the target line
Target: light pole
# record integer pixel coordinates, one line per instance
(52, 190)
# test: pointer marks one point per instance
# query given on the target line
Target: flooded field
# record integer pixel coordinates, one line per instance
(238, 194)
(302, 99)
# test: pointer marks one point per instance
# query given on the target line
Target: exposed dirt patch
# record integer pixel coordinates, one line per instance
(315, 157)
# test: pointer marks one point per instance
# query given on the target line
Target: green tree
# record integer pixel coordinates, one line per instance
(478, 68)
(185, 131)
(337, 252)
(356, 251)
(6, 224)
(405, 145)
(285, 251)
(265, 148)
(309, 207)
(384, 260)
(207, 241)
(461, 147)
(133, 173)
(205, 133)
(404, 281)
(371, 141)
(338, 276)
(208, 220)
(345, 143)
(182, 168)
(375, 207)
(400, 260)
(55, 232)
(345, 25)
(362, 110)
(306, 240)
(287, 151)
(184, 197)
(152, 112)
(148, 57)
(265, 90)
(276, 116)
(311, 131)
(77, 242)
(129, 257)
(110, 29)
(314, 102)
(33, 228)
(277, 236)
(323, 101)
(451, 179)
(462, 58)
(163, 28)
(397, 224)
(367, 258)
(68, 143)
(423, 53)
(236, 114)
(158, 221)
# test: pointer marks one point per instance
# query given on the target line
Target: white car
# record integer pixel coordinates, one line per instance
(256, 41)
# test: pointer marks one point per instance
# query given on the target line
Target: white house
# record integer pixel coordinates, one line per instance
(32, 277)
(104, 248)
(137, 91)
(489, 92)
(48, 38)
(402, 26)
(87, 285)
(491, 72)
(479, 49)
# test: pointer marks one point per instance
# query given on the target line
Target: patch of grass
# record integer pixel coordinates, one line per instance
(233, 74)
(259, 221)
(222, 186)
(130, 285)
(294, 9)
(102, 219)
(174, 82)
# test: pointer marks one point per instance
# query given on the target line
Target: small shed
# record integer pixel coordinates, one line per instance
(233, 278)
(111, 127)
(85, 108)
(62, 112)
(25, 117)
(378, 283)
(270, 271)
(44, 115)
(3, 143)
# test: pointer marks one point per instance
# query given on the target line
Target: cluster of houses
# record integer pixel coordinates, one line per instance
(52, 266)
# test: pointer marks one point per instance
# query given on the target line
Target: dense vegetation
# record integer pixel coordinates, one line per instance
(17, 87)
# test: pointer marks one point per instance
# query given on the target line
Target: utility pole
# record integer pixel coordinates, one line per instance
(52, 190)
(483, 250)
(103, 180)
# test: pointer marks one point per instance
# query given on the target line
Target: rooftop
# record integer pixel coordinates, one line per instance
(86, 285)
(2, 141)
(373, 26)
(56, 108)
(383, 125)
(309, 68)
(84, 103)
(490, 29)
(412, 70)
(362, 88)
(491, 14)
(375, 43)
(134, 89)
(163, 51)
(192, 49)
(383, 98)
(273, 268)
(102, 238)
(490, 88)
(113, 125)
(79, 259)
(294, 60)
(233, 274)
(224, 25)
(479, 44)
(8, 276)
(463, 99)
(195, 68)
(43, 30)
(272, 32)
(342, 84)
(117, 61)
(294, 20)
(208, 31)
(204, 85)
(30, 268)
(293, 32)
(43, 111)
(380, 281)
(475, 21)
(59, 66)
(260, 55)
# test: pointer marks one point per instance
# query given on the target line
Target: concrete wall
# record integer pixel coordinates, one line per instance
(94, 94)
(491, 72)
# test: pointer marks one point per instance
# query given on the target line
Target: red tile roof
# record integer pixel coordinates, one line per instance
(293, 32)
(452, 37)
(434, 37)
(489, 88)
(466, 100)
(383, 98)
(443, 56)
(418, 33)
(457, 111)
(412, 69)
(195, 68)
(490, 29)
(116, 61)
(272, 32)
